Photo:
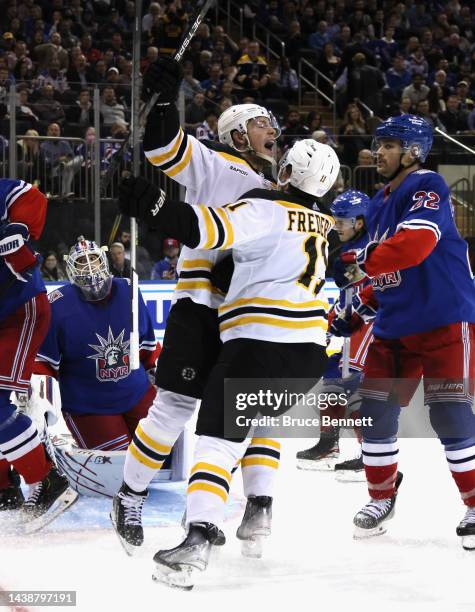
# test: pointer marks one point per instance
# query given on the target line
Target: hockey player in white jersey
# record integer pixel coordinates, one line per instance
(272, 322)
(218, 174)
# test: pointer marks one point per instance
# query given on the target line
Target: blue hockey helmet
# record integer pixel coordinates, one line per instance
(414, 133)
(350, 205)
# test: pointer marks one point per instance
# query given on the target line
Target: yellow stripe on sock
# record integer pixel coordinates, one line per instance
(208, 488)
(250, 461)
(137, 454)
(161, 448)
(214, 469)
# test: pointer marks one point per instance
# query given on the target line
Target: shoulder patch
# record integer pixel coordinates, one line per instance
(424, 171)
(54, 295)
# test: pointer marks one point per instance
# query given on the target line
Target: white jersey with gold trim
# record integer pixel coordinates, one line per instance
(280, 251)
(212, 176)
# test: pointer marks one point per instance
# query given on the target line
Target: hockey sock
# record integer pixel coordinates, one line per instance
(380, 464)
(259, 466)
(208, 486)
(4, 473)
(357, 428)
(155, 436)
(20, 444)
(461, 461)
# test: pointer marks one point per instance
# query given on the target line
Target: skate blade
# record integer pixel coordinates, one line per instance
(322, 465)
(350, 476)
(360, 533)
(182, 578)
(253, 548)
(130, 549)
(63, 503)
(468, 542)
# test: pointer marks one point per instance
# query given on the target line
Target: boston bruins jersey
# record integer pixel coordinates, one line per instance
(211, 173)
(280, 251)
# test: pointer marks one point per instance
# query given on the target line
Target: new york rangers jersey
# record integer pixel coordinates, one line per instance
(88, 347)
(440, 289)
(22, 203)
(212, 174)
(280, 251)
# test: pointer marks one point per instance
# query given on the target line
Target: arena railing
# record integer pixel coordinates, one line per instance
(314, 86)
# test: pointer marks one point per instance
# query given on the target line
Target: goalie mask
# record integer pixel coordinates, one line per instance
(87, 268)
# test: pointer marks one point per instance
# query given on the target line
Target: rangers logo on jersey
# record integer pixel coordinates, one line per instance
(112, 357)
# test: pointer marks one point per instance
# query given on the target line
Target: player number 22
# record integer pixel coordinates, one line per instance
(314, 247)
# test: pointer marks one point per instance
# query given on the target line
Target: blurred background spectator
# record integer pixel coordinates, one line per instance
(51, 268)
(165, 269)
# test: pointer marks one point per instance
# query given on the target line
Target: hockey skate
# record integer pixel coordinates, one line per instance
(177, 566)
(47, 500)
(466, 529)
(220, 538)
(12, 497)
(323, 455)
(126, 517)
(351, 470)
(255, 526)
(370, 520)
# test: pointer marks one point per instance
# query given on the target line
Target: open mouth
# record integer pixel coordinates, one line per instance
(269, 144)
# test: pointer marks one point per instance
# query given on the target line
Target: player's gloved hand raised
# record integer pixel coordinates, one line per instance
(16, 252)
(141, 199)
(162, 77)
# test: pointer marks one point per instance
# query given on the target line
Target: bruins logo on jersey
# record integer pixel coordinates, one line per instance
(112, 357)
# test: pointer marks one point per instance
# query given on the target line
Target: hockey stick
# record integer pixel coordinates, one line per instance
(345, 367)
(145, 110)
(454, 140)
(138, 121)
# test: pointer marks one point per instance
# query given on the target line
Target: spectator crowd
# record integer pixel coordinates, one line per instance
(376, 56)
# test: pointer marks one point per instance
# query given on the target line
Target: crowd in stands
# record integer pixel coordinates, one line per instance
(389, 56)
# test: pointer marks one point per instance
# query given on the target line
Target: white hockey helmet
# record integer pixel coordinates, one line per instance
(314, 167)
(237, 117)
(87, 268)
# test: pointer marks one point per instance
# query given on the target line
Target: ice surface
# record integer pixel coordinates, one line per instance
(311, 563)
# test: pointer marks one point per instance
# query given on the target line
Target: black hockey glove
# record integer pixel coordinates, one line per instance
(141, 199)
(163, 77)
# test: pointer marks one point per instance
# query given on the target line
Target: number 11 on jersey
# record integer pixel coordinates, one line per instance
(313, 277)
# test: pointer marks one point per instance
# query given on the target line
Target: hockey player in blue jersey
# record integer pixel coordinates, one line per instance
(87, 350)
(425, 325)
(348, 210)
(24, 318)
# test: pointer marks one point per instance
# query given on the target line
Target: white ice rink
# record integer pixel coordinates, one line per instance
(312, 562)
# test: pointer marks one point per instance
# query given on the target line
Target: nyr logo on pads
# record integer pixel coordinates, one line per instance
(112, 357)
